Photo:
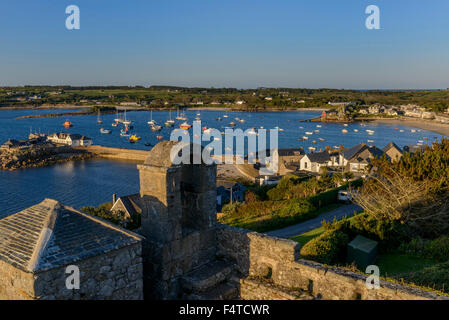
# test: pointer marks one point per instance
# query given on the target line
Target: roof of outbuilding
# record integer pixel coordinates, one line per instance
(319, 157)
(50, 235)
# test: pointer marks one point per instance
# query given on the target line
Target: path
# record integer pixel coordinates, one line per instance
(314, 223)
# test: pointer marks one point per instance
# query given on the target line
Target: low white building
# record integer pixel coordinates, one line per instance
(69, 139)
(313, 162)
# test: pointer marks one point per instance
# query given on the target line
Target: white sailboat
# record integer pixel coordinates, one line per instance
(126, 122)
(99, 121)
(151, 122)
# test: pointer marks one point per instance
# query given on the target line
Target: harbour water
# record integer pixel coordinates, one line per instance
(93, 182)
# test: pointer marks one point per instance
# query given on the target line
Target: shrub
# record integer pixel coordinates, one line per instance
(437, 249)
(435, 277)
(231, 208)
(328, 248)
(296, 208)
(371, 227)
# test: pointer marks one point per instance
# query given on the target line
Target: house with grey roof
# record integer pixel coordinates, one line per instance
(359, 157)
(129, 207)
(14, 144)
(70, 139)
(313, 162)
(393, 151)
(41, 246)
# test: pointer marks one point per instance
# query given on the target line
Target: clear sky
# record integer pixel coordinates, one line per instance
(226, 43)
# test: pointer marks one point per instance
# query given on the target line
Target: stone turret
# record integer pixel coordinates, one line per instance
(178, 218)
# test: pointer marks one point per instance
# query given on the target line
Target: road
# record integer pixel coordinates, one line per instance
(314, 223)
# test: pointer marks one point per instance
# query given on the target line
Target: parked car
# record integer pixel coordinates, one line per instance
(344, 196)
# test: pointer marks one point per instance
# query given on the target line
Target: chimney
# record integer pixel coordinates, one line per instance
(114, 198)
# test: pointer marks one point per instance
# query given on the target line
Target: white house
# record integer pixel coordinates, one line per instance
(313, 162)
(73, 140)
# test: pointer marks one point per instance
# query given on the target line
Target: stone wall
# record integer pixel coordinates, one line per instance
(258, 256)
(116, 275)
(178, 220)
(15, 284)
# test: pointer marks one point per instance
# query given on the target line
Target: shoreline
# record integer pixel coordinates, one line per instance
(428, 125)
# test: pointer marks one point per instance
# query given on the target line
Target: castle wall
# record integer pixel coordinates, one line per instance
(15, 284)
(258, 256)
(116, 275)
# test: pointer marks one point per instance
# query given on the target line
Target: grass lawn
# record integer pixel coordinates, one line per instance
(269, 222)
(306, 237)
(393, 264)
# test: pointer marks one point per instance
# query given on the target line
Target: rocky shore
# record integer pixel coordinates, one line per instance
(40, 157)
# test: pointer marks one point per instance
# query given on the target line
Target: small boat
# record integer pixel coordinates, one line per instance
(170, 122)
(115, 124)
(425, 138)
(232, 124)
(312, 148)
(317, 131)
(185, 126)
(207, 131)
(156, 128)
(370, 141)
(321, 139)
(314, 141)
(151, 122)
(159, 137)
(369, 131)
(217, 139)
(318, 125)
(124, 134)
(309, 133)
(252, 131)
(242, 121)
(197, 119)
(401, 130)
(99, 121)
(305, 138)
(225, 116)
(238, 119)
(345, 124)
(105, 131)
(413, 130)
(126, 122)
(218, 119)
(356, 130)
(134, 138)
(67, 124)
(344, 131)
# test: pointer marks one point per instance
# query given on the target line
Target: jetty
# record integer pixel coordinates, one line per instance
(117, 153)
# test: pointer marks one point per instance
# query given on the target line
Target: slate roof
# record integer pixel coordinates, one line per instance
(319, 157)
(391, 145)
(351, 152)
(50, 235)
(131, 204)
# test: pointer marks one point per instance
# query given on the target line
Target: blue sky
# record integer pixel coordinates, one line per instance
(232, 43)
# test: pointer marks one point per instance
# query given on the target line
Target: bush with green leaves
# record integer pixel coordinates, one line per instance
(437, 249)
(231, 208)
(298, 207)
(328, 248)
(435, 277)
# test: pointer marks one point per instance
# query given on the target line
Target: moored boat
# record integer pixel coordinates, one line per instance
(105, 131)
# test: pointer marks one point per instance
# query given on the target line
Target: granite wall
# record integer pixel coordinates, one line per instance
(116, 275)
(272, 269)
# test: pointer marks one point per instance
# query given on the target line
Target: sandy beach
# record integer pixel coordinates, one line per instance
(428, 125)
